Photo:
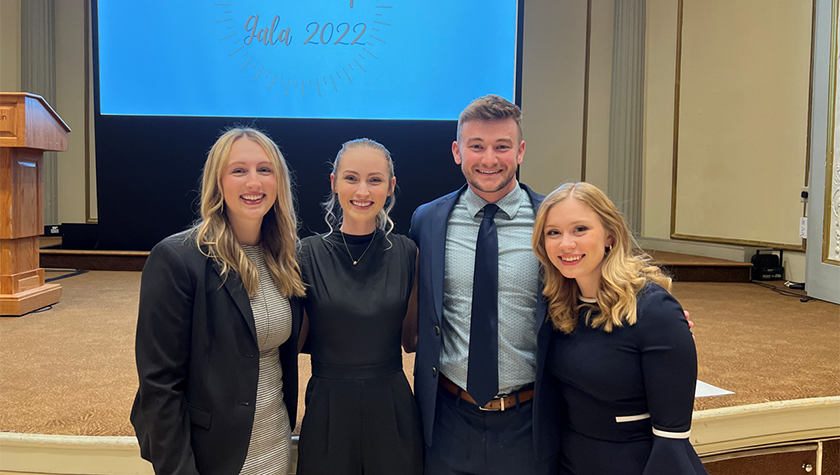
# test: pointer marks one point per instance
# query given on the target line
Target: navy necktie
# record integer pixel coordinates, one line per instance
(483, 367)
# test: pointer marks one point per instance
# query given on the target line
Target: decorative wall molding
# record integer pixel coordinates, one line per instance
(834, 211)
(831, 218)
(718, 251)
(739, 119)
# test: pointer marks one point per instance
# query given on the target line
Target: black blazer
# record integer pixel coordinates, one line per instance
(428, 230)
(198, 363)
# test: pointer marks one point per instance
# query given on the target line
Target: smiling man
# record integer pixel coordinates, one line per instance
(489, 152)
(480, 307)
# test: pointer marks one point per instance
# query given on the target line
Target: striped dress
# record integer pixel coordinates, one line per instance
(269, 449)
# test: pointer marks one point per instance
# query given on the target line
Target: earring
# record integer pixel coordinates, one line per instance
(608, 249)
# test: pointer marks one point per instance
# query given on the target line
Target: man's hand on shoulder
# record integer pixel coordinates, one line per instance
(690, 323)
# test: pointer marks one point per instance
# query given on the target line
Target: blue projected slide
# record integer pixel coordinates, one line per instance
(336, 59)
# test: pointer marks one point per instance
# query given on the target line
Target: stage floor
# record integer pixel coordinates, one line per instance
(70, 369)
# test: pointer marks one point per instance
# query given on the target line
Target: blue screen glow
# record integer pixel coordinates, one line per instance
(336, 59)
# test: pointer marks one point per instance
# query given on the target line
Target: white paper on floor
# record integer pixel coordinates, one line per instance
(706, 390)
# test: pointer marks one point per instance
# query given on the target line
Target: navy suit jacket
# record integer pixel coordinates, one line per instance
(428, 230)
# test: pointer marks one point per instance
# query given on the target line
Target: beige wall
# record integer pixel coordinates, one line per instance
(554, 55)
(10, 45)
(69, 102)
(743, 120)
(70, 105)
(660, 71)
(600, 81)
(553, 83)
(660, 67)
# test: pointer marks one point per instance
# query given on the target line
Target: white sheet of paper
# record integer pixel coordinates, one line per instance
(706, 390)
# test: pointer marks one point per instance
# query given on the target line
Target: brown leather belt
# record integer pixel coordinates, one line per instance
(498, 404)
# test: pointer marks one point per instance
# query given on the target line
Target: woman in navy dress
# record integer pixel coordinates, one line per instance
(361, 417)
(621, 362)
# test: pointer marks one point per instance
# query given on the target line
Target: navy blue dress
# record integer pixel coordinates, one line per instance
(627, 396)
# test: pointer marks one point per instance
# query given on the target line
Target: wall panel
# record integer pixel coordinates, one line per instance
(743, 77)
(10, 46)
(554, 62)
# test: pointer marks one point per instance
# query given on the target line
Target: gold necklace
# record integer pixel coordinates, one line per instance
(356, 261)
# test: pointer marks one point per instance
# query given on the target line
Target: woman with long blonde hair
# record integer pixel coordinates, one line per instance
(617, 353)
(218, 323)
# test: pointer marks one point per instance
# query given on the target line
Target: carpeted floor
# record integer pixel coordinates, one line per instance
(70, 369)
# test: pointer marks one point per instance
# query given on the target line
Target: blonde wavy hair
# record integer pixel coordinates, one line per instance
(623, 272)
(278, 235)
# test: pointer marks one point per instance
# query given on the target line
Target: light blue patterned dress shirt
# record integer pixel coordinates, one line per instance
(518, 287)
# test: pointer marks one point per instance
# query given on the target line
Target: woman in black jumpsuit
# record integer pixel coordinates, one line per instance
(361, 417)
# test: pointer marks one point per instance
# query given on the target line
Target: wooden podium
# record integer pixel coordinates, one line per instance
(28, 127)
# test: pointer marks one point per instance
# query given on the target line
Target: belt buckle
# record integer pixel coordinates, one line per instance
(501, 401)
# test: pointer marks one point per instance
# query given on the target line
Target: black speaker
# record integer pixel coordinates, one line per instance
(766, 267)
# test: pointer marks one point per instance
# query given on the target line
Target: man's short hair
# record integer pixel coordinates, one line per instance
(490, 108)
